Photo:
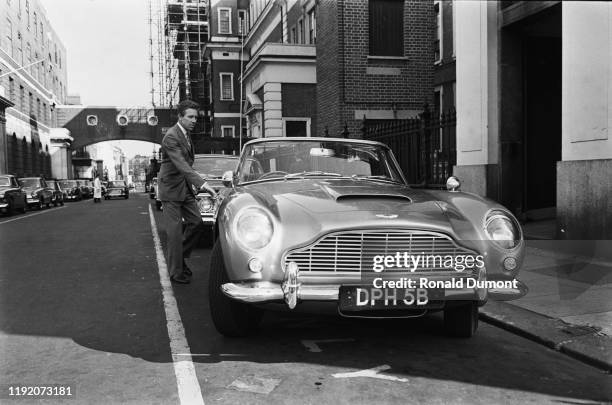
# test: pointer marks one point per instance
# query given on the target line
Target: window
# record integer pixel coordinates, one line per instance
(12, 94)
(225, 20)
(312, 27)
(386, 27)
(42, 31)
(29, 56)
(292, 36)
(242, 22)
(35, 25)
(300, 38)
(9, 36)
(27, 9)
(437, 44)
(227, 131)
(20, 48)
(21, 98)
(227, 86)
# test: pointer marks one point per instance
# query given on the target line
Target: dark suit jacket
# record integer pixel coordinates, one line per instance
(176, 176)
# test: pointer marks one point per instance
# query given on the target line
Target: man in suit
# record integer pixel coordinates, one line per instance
(178, 185)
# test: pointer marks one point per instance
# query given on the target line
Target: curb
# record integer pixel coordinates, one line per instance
(584, 343)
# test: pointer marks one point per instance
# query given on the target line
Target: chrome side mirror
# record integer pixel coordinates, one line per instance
(228, 178)
(453, 184)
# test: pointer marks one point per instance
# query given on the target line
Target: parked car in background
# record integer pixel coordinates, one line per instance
(38, 192)
(153, 188)
(315, 222)
(12, 197)
(72, 190)
(58, 194)
(117, 188)
(212, 167)
(85, 190)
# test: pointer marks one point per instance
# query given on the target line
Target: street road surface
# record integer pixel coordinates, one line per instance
(82, 305)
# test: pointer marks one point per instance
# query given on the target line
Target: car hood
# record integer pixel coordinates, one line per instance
(324, 205)
(214, 182)
(5, 188)
(30, 189)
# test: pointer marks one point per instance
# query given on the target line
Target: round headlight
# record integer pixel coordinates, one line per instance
(205, 204)
(253, 228)
(502, 230)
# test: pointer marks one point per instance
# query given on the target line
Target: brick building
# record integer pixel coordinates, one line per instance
(223, 53)
(374, 61)
(321, 67)
(33, 78)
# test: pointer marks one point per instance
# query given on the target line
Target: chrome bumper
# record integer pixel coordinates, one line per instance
(208, 220)
(3, 205)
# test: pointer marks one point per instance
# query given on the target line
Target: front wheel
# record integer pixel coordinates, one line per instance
(461, 320)
(158, 205)
(25, 206)
(231, 318)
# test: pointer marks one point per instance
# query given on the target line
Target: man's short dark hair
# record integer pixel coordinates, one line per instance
(186, 104)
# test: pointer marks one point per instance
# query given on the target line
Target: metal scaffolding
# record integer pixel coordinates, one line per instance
(178, 31)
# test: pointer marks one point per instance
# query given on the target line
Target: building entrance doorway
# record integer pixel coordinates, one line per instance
(542, 125)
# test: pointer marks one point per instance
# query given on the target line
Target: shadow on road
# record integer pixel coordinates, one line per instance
(92, 277)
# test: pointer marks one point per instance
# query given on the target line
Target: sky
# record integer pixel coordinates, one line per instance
(107, 46)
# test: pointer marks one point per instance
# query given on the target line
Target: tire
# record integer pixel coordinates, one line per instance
(11, 209)
(158, 205)
(55, 202)
(62, 202)
(24, 209)
(231, 318)
(461, 321)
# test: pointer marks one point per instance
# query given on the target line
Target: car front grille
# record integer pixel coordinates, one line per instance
(354, 251)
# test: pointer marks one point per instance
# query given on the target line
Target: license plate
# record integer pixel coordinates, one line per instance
(362, 298)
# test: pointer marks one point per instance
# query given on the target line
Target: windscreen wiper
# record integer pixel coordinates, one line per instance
(312, 173)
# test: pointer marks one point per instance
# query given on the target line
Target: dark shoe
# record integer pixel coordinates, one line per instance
(181, 279)
(186, 270)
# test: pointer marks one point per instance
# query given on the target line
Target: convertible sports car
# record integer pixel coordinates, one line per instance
(315, 224)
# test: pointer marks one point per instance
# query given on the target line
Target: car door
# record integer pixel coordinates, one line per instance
(18, 196)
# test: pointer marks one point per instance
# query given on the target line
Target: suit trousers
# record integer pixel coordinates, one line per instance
(181, 241)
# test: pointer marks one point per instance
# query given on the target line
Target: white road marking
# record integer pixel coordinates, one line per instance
(186, 379)
(32, 215)
(312, 345)
(371, 373)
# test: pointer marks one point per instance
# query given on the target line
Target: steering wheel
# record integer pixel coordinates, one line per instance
(266, 175)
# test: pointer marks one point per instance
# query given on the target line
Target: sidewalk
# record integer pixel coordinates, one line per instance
(568, 306)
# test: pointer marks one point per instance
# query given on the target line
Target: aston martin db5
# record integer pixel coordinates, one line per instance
(323, 224)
